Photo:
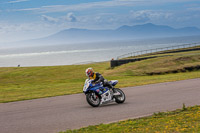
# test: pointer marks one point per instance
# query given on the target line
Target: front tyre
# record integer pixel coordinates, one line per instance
(93, 99)
(120, 96)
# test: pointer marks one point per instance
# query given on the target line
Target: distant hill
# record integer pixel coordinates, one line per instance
(151, 30)
(125, 32)
(148, 30)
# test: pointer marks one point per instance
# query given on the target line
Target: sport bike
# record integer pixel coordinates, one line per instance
(97, 94)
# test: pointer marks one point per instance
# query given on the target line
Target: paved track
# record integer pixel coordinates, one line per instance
(50, 115)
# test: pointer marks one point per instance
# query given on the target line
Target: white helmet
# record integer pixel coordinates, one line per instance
(89, 72)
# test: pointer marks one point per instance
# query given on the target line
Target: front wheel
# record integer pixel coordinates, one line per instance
(120, 96)
(93, 99)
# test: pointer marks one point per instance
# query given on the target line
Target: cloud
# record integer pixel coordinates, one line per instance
(15, 32)
(98, 5)
(16, 1)
(70, 17)
(83, 6)
(194, 9)
(148, 15)
(49, 19)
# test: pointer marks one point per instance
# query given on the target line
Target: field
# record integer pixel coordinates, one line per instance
(23, 83)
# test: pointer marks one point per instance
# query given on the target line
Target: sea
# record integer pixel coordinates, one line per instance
(74, 54)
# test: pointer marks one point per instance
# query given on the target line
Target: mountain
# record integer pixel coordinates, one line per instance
(144, 31)
(148, 30)
(149, 27)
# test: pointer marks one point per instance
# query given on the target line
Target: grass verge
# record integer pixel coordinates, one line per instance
(181, 120)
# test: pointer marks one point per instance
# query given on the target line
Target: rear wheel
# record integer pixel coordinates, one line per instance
(93, 99)
(120, 96)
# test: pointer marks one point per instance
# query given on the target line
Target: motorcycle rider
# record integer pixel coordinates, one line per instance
(97, 77)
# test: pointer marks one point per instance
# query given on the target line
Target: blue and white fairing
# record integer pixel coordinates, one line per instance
(113, 82)
(97, 88)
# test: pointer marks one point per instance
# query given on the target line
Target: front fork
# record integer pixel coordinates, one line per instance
(94, 96)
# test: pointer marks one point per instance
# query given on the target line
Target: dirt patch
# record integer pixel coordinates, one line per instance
(183, 59)
(184, 69)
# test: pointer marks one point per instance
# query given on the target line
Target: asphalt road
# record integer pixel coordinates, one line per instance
(51, 115)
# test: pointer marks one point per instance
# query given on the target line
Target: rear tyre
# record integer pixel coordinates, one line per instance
(121, 97)
(93, 99)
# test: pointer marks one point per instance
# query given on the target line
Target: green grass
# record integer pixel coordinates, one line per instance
(182, 120)
(36, 82)
(169, 63)
(22, 83)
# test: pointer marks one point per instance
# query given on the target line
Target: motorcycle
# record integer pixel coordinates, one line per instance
(97, 94)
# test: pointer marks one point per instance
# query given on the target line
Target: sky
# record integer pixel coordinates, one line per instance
(29, 19)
